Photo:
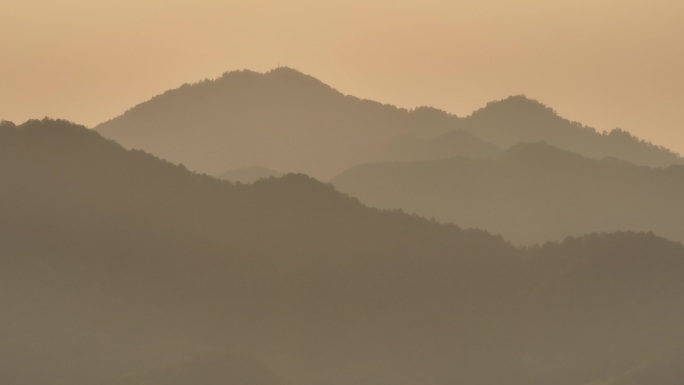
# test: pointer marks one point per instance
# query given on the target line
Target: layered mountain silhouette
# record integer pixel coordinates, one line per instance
(282, 120)
(285, 120)
(121, 268)
(530, 193)
(519, 119)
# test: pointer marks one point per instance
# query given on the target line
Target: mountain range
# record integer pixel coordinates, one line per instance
(511, 246)
(123, 268)
(518, 119)
(285, 120)
(481, 171)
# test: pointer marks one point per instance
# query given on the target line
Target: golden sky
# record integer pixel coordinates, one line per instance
(606, 63)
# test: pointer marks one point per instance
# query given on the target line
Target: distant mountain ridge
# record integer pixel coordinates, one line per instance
(280, 120)
(530, 193)
(288, 121)
(519, 119)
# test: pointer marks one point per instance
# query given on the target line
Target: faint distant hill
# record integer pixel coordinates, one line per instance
(518, 119)
(452, 143)
(285, 120)
(530, 193)
(248, 174)
(119, 268)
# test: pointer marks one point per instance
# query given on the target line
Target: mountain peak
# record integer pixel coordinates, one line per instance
(291, 77)
(516, 106)
(286, 75)
(57, 129)
(284, 70)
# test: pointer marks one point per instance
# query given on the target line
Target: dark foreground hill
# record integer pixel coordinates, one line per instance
(285, 120)
(118, 268)
(530, 193)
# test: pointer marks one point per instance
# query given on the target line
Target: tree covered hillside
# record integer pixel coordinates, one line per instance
(119, 268)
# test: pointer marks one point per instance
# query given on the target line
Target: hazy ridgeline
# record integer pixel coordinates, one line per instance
(530, 193)
(121, 268)
(287, 121)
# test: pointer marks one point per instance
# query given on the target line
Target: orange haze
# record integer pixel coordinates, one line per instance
(606, 63)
